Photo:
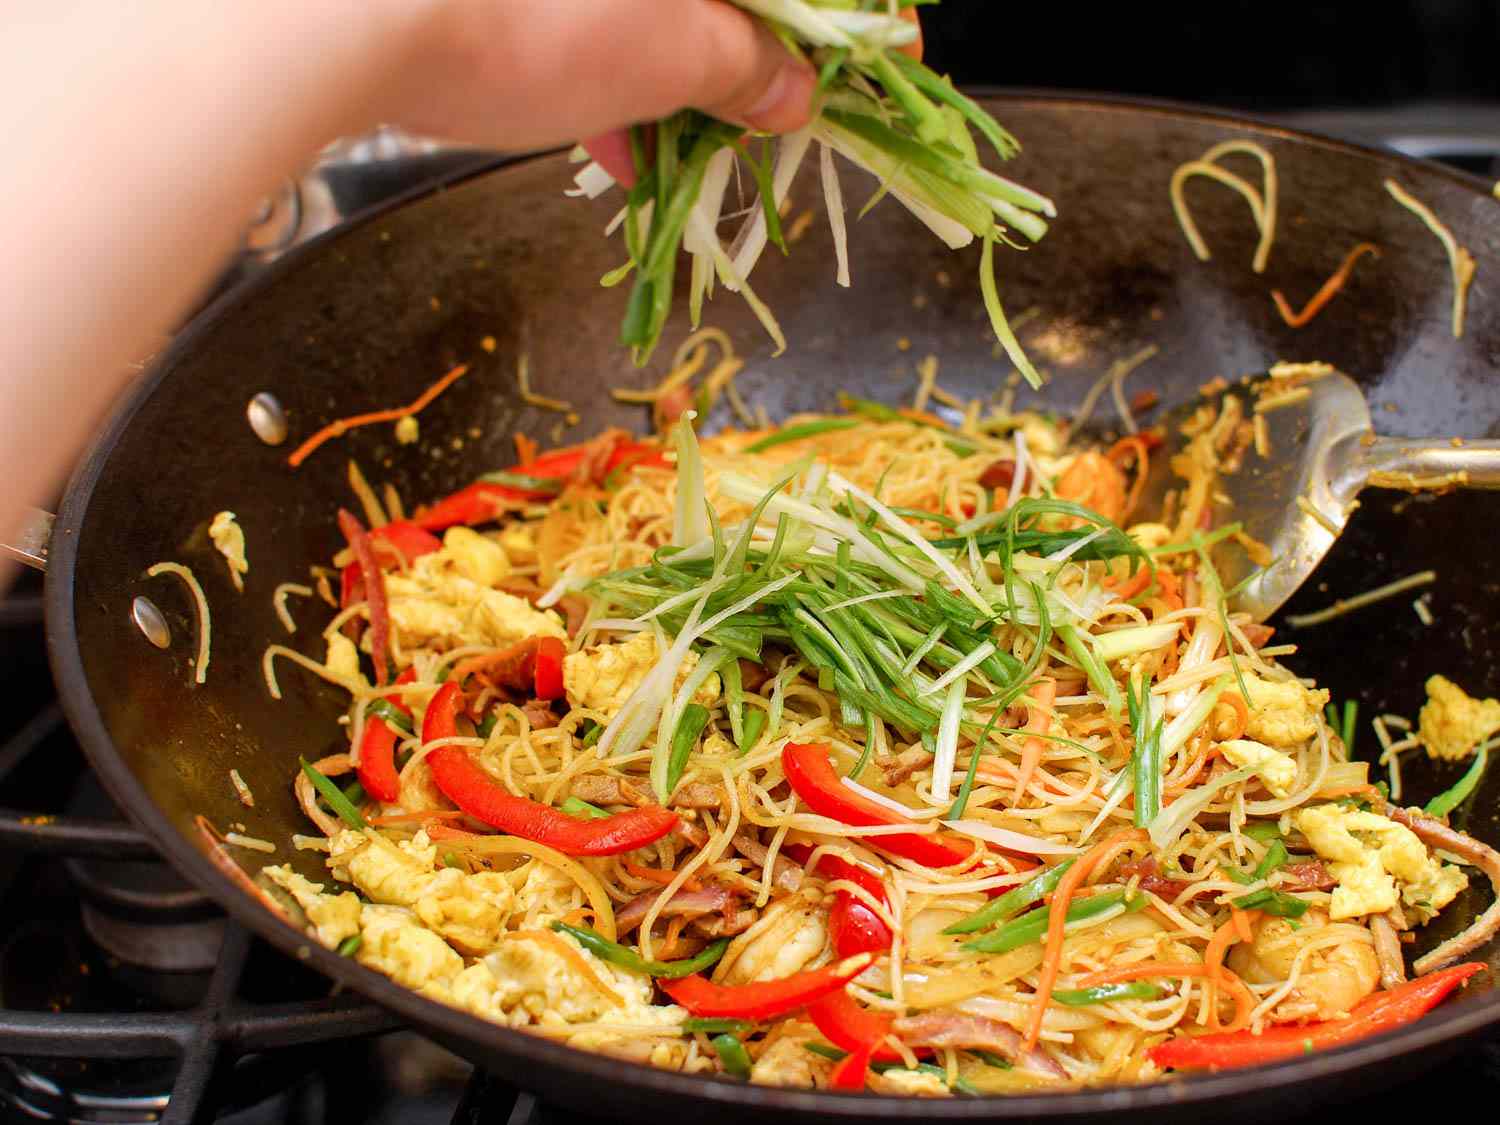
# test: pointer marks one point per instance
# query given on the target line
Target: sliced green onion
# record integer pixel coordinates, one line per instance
(1106, 993)
(801, 431)
(1445, 802)
(1012, 902)
(1111, 646)
(733, 1055)
(1263, 831)
(1145, 756)
(592, 733)
(961, 802)
(1268, 901)
(1276, 856)
(550, 485)
(342, 807)
(1031, 927)
(627, 958)
(388, 713)
(694, 1026)
(577, 806)
(989, 1058)
(755, 723)
(350, 945)
(1099, 676)
(684, 738)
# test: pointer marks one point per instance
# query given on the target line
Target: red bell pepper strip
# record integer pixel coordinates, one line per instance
(761, 1000)
(485, 500)
(809, 771)
(852, 1073)
(374, 582)
(1383, 1011)
(548, 677)
(377, 750)
(857, 1030)
(396, 544)
(853, 926)
(474, 791)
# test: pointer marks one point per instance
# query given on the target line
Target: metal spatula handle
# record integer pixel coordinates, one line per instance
(1427, 464)
(29, 544)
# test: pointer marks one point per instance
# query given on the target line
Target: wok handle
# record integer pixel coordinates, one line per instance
(31, 540)
(1429, 465)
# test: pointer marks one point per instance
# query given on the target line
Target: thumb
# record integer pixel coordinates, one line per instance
(747, 77)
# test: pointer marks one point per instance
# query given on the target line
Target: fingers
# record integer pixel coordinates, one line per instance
(611, 151)
(741, 73)
(518, 74)
(914, 48)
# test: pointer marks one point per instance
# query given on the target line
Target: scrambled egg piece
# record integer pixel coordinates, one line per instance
(1452, 723)
(1283, 712)
(602, 677)
(787, 1062)
(407, 952)
(429, 603)
(1373, 858)
(469, 911)
(532, 972)
(519, 544)
(789, 937)
(334, 918)
(545, 896)
(1150, 535)
(477, 557)
(343, 657)
(913, 1084)
(229, 538)
(1041, 436)
(1276, 769)
(408, 430)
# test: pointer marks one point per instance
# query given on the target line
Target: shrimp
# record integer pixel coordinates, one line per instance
(789, 936)
(1334, 977)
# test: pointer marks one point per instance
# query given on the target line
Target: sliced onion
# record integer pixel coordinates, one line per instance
(1011, 841)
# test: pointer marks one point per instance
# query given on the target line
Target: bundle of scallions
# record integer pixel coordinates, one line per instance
(878, 108)
(913, 634)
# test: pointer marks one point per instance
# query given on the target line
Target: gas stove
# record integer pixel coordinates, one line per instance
(126, 995)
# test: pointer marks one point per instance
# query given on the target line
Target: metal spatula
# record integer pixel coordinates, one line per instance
(1322, 448)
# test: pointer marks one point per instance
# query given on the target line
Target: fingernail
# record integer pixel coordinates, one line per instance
(787, 101)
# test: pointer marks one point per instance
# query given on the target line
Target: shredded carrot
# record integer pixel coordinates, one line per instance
(1171, 589)
(1127, 588)
(1330, 289)
(1038, 719)
(1057, 917)
(1241, 714)
(443, 832)
(1213, 957)
(577, 917)
(1242, 920)
(658, 876)
(526, 449)
(1132, 444)
(343, 425)
(674, 935)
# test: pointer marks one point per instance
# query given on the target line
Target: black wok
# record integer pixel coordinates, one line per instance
(363, 317)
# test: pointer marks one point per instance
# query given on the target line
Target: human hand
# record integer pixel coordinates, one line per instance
(524, 75)
(612, 150)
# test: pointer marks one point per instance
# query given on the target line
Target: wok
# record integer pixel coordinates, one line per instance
(364, 316)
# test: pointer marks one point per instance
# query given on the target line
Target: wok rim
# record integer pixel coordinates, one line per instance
(1446, 1025)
